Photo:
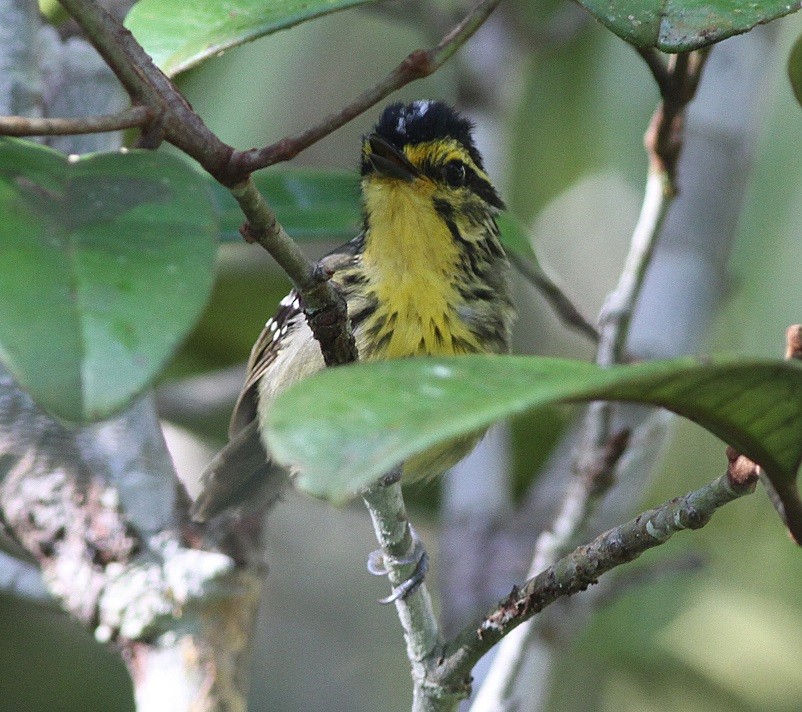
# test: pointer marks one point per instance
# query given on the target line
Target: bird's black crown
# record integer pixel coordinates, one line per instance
(424, 120)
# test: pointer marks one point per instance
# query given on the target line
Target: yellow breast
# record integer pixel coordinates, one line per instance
(411, 262)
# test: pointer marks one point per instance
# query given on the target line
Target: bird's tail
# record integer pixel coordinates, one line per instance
(241, 474)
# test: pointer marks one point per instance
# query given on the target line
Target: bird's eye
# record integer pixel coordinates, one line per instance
(454, 173)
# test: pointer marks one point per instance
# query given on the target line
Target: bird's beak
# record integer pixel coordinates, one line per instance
(388, 161)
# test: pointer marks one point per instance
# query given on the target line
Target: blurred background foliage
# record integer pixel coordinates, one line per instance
(561, 106)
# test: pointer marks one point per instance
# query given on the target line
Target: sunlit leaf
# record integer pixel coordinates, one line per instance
(105, 264)
(683, 25)
(345, 427)
(179, 34)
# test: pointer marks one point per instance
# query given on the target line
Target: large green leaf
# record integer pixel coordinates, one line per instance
(683, 25)
(345, 427)
(105, 264)
(310, 204)
(179, 34)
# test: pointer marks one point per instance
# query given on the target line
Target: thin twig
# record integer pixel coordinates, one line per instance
(594, 466)
(417, 65)
(620, 304)
(558, 300)
(177, 123)
(663, 143)
(583, 567)
(135, 116)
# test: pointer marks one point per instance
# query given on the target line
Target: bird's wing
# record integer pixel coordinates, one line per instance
(240, 472)
(275, 334)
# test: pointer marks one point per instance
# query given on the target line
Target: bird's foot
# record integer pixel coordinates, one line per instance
(379, 565)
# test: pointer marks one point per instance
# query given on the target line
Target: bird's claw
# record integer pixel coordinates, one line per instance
(377, 565)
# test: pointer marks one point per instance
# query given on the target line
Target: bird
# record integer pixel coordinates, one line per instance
(426, 276)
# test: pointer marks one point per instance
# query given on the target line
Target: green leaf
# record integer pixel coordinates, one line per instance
(105, 264)
(795, 69)
(345, 427)
(310, 204)
(180, 34)
(684, 25)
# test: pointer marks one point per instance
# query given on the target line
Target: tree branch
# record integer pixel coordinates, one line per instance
(325, 308)
(135, 116)
(600, 448)
(583, 567)
(417, 65)
(176, 122)
(663, 141)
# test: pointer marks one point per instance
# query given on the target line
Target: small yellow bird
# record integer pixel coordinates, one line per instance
(426, 276)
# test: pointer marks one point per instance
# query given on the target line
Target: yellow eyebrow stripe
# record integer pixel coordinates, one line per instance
(440, 152)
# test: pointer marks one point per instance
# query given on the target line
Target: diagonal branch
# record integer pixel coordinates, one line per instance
(583, 567)
(599, 445)
(417, 65)
(558, 300)
(325, 308)
(177, 123)
(663, 141)
(594, 466)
